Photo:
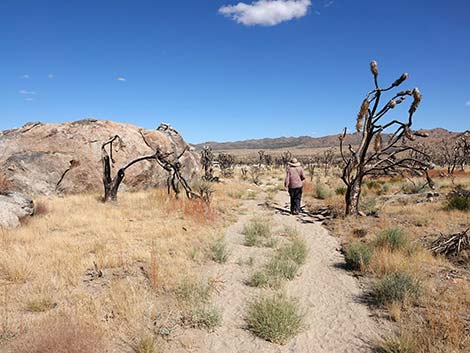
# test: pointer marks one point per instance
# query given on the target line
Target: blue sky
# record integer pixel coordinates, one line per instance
(220, 71)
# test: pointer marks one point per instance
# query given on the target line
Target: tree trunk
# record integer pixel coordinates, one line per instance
(353, 193)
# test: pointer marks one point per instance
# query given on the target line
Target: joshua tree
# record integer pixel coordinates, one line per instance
(261, 157)
(207, 161)
(374, 155)
(327, 159)
(264, 158)
(226, 163)
(311, 165)
(285, 158)
(453, 152)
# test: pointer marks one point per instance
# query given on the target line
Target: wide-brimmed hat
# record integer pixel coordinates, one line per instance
(294, 163)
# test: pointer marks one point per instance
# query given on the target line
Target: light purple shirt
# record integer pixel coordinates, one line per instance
(294, 177)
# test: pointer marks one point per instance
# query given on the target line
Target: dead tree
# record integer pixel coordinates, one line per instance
(111, 185)
(374, 155)
(72, 164)
(455, 152)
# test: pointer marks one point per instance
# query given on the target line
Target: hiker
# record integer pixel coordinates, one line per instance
(293, 183)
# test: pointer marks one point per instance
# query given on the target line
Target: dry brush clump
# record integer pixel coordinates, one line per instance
(117, 264)
(61, 335)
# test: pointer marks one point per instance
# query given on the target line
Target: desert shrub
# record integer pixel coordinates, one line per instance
(145, 344)
(360, 232)
(275, 319)
(283, 268)
(204, 189)
(321, 191)
(392, 238)
(412, 188)
(385, 188)
(277, 270)
(60, 335)
(396, 344)
(372, 184)
(296, 251)
(357, 256)
(207, 318)
(40, 303)
(396, 287)
(262, 279)
(290, 232)
(369, 205)
(236, 194)
(219, 252)
(340, 190)
(193, 291)
(256, 232)
(459, 199)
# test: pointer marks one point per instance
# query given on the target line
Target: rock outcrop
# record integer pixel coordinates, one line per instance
(13, 208)
(35, 157)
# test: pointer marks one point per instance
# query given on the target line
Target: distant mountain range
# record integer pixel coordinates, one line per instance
(306, 142)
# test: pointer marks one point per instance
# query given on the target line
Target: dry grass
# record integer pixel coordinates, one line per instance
(440, 323)
(118, 264)
(61, 335)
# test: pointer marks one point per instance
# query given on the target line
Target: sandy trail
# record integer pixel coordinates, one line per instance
(336, 321)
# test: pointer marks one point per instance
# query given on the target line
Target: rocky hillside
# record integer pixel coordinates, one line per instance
(305, 142)
(34, 157)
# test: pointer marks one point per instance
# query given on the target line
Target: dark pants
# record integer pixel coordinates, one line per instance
(295, 199)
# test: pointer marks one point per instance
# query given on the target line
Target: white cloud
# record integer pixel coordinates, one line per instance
(25, 76)
(467, 103)
(29, 99)
(266, 12)
(25, 91)
(122, 79)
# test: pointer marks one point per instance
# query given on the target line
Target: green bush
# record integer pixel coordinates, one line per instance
(321, 192)
(275, 319)
(256, 232)
(385, 188)
(340, 190)
(357, 256)
(283, 268)
(296, 251)
(219, 251)
(396, 287)
(206, 318)
(193, 292)
(459, 199)
(369, 205)
(392, 238)
(372, 184)
(262, 279)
